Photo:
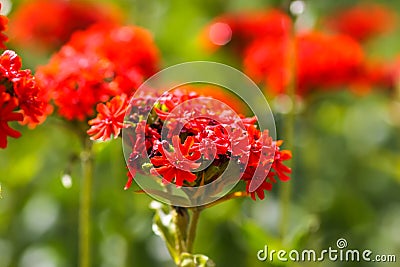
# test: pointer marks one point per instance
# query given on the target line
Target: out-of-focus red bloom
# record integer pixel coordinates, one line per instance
(109, 120)
(266, 61)
(384, 75)
(49, 23)
(3, 37)
(240, 29)
(322, 61)
(97, 64)
(20, 97)
(195, 134)
(374, 75)
(77, 82)
(220, 94)
(363, 21)
(131, 49)
(325, 61)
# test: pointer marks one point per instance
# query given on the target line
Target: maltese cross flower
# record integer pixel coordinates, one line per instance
(109, 120)
(177, 164)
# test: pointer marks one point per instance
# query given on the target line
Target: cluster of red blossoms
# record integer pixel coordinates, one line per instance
(20, 97)
(96, 64)
(216, 135)
(320, 60)
(3, 37)
(362, 21)
(238, 30)
(48, 24)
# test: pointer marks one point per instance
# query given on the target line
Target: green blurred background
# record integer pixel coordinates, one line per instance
(346, 180)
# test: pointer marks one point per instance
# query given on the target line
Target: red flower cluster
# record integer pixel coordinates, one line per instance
(20, 97)
(194, 134)
(97, 64)
(240, 29)
(385, 75)
(49, 24)
(326, 61)
(362, 21)
(322, 61)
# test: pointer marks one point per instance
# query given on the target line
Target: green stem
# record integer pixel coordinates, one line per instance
(192, 229)
(286, 190)
(85, 204)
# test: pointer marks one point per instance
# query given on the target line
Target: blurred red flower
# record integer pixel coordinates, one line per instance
(97, 64)
(325, 61)
(131, 49)
(384, 75)
(322, 61)
(362, 21)
(238, 30)
(20, 97)
(3, 37)
(48, 24)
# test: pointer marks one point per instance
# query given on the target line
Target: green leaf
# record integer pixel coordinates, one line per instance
(164, 227)
(197, 260)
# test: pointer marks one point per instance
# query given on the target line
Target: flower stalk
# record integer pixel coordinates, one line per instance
(286, 191)
(192, 229)
(85, 204)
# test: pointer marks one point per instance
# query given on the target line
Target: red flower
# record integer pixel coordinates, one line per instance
(178, 164)
(281, 170)
(240, 29)
(109, 120)
(265, 164)
(7, 114)
(131, 49)
(385, 75)
(21, 99)
(362, 21)
(97, 64)
(76, 82)
(266, 60)
(48, 24)
(3, 37)
(131, 174)
(212, 138)
(325, 61)
(322, 61)
(32, 99)
(10, 65)
(378, 75)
